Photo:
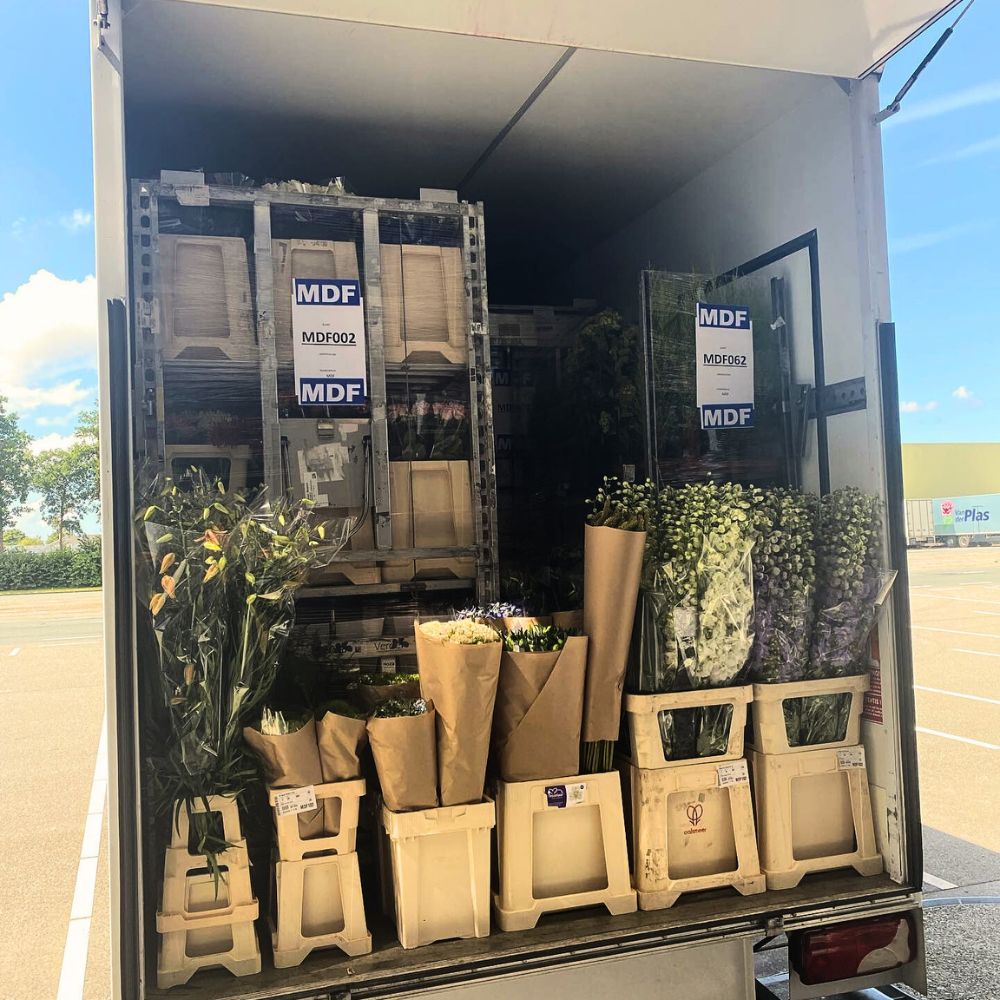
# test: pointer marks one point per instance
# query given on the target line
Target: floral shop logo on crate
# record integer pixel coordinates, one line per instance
(695, 811)
(561, 796)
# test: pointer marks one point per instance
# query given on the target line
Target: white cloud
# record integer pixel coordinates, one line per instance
(912, 406)
(921, 241)
(50, 441)
(931, 404)
(76, 220)
(62, 420)
(963, 392)
(967, 152)
(48, 326)
(970, 97)
(23, 397)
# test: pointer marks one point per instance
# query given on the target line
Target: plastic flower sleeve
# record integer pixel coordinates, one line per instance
(653, 662)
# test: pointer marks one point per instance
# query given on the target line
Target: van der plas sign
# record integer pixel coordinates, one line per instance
(723, 337)
(328, 331)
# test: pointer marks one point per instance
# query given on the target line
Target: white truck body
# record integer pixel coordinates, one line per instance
(608, 139)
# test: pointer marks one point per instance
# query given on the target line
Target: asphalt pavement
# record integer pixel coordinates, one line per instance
(53, 824)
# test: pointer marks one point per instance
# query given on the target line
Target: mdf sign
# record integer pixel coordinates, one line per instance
(723, 337)
(328, 336)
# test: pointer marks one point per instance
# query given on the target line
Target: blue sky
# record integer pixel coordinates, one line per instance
(942, 167)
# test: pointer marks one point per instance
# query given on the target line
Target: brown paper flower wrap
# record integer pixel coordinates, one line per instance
(569, 620)
(522, 621)
(612, 564)
(341, 740)
(461, 680)
(369, 696)
(292, 761)
(405, 752)
(537, 722)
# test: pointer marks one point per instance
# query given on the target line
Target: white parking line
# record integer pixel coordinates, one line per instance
(958, 694)
(975, 652)
(956, 631)
(957, 739)
(938, 883)
(74, 964)
(950, 597)
(14, 651)
(991, 614)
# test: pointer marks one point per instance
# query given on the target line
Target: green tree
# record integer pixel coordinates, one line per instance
(88, 434)
(15, 463)
(65, 478)
(15, 536)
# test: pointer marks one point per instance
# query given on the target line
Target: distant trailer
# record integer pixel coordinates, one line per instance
(954, 521)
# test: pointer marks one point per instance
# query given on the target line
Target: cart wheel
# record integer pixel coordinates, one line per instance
(964, 541)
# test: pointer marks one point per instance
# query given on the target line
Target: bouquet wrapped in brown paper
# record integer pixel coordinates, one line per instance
(404, 745)
(536, 725)
(373, 689)
(341, 733)
(289, 757)
(614, 542)
(459, 663)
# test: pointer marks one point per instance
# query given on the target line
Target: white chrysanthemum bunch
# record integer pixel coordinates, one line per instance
(465, 632)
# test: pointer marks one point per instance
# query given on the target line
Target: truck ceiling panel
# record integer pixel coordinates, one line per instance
(829, 37)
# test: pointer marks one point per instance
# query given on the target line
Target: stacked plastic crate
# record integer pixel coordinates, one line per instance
(692, 813)
(813, 800)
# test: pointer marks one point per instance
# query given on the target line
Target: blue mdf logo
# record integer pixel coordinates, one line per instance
(723, 317)
(724, 415)
(332, 391)
(327, 292)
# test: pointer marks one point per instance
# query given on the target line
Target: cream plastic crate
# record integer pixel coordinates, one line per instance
(341, 802)
(207, 309)
(431, 508)
(767, 716)
(441, 872)
(561, 846)
(815, 814)
(227, 809)
(184, 884)
(423, 304)
(210, 457)
(318, 904)
(304, 259)
(646, 742)
(692, 830)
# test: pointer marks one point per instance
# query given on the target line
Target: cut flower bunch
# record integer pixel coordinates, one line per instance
(221, 572)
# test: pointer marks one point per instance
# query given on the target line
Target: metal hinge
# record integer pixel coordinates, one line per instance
(840, 397)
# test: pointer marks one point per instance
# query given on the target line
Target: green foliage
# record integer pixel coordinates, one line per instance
(79, 567)
(15, 463)
(537, 639)
(15, 536)
(396, 708)
(623, 505)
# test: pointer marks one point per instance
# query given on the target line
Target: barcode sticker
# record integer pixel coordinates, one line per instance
(734, 773)
(561, 796)
(387, 664)
(295, 800)
(850, 757)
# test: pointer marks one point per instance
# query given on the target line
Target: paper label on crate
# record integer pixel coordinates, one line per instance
(723, 338)
(387, 664)
(733, 773)
(295, 800)
(850, 757)
(561, 796)
(328, 342)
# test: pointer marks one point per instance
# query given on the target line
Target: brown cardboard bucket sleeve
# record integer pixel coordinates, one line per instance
(290, 762)
(612, 565)
(405, 752)
(341, 739)
(539, 711)
(370, 696)
(461, 680)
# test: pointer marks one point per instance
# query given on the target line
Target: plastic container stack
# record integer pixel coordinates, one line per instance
(316, 899)
(813, 800)
(692, 813)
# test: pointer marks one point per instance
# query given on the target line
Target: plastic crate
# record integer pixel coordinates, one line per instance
(341, 804)
(769, 724)
(814, 812)
(431, 509)
(692, 830)
(206, 307)
(646, 714)
(441, 872)
(318, 904)
(561, 846)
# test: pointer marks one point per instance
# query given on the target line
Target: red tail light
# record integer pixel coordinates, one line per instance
(858, 948)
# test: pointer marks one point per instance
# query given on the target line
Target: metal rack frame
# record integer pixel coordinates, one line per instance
(148, 364)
